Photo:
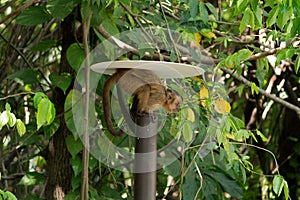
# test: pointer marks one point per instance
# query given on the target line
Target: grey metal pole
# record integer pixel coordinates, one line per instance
(145, 159)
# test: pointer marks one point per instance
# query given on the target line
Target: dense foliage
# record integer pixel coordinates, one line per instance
(238, 126)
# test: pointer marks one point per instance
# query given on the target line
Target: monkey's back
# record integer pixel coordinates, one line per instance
(133, 80)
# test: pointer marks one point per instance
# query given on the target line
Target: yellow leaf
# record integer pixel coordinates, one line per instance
(191, 115)
(229, 63)
(197, 39)
(204, 94)
(196, 78)
(208, 34)
(222, 106)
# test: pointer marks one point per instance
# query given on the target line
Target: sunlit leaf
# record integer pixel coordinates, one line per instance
(254, 88)
(32, 178)
(11, 119)
(278, 183)
(7, 107)
(4, 117)
(297, 64)
(45, 113)
(208, 33)
(21, 128)
(37, 98)
(261, 135)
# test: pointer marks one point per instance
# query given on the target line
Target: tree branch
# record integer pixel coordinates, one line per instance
(84, 192)
(209, 61)
(263, 92)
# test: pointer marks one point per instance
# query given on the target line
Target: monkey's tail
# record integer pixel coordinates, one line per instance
(106, 102)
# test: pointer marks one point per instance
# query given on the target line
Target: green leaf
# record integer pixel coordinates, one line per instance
(254, 4)
(11, 119)
(230, 186)
(278, 183)
(212, 9)
(297, 64)
(73, 102)
(272, 16)
(7, 107)
(244, 54)
(281, 55)
(37, 98)
(203, 12)
(7, 195)
(296, 26)
(52, 128)
(260, 75)
(240, 7)
(283, 18)
(263, 138)
(21, 128)
(173, 169)
(33, 16)
(45, 113)
(254, 88)
(257, 18)
(190, 185)
(28, 76)
(62, 81)
(248, 19)
(194, 8)
(286, 190)
(76, 165)
(32, 178)
(85, 10)
(61, 8)
(74, 146)
(4, 118)
(187, 132)
(75, 56)
(43, 45)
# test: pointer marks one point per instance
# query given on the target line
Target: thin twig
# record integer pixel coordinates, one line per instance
(84, 192)
(15, 95)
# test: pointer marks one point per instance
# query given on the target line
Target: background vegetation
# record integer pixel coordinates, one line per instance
(248, 149)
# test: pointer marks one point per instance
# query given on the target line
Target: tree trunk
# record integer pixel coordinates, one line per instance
(59, 166)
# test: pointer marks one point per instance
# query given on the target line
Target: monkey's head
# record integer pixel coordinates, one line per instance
(173, 101)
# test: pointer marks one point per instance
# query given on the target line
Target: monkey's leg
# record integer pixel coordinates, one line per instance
(140, 104)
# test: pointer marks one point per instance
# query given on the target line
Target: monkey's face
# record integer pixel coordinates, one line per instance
(173, 101)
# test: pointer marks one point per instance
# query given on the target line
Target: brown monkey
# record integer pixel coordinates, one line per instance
(148, 92)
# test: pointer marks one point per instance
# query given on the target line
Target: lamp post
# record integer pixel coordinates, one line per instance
(145, 128)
